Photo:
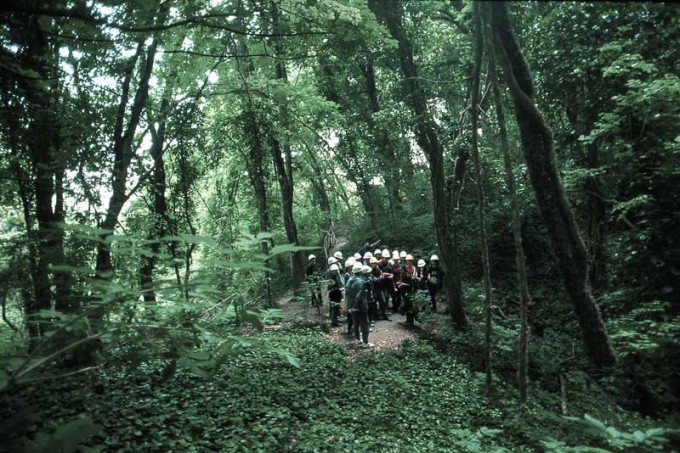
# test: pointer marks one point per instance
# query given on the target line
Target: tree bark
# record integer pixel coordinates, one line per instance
(474, 113)
(520, 258)
(123, 150)
(428, 140)
(557, 214)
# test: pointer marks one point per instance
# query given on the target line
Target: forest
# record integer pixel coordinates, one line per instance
(195, 196)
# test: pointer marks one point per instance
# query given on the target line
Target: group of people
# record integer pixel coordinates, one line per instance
(370, 286)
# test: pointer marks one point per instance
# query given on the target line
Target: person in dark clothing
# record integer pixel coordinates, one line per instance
(366, 272)
(356, 294)
(407, 289)
(355, 270)
(388, 281)
(314, 281)
(336, 286)
(435, 279)
(421, 276)
(396, 279)
(379, 282)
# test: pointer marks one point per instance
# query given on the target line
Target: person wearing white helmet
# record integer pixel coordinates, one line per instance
(336, 287)
(378, 292)
(367, 256)
(355, 273)
(377, 254)
(397, 272)
(407, 288)
(386, 285)
(338, 255)
(357, 256)
(358, 304)
(314, 281)
(367, 272)
(421, 275)
(435, 279)
(331, 261)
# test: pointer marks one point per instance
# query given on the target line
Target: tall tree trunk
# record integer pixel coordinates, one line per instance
(550, 196)
(283, 162)
(474, 113)
(159, 216)
(428, 140)
(23, 179)
(123, 150)
(520, 258)
(387, 150)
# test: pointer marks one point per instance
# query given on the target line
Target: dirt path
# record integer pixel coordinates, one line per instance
(384, 335)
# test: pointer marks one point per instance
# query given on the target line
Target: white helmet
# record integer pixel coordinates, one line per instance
(335, 267)
(311, 257)
(395, 255)
(356, 269)
(350, 262)
(368, 255)
(357, 256)
(421, 263)
(366, 270)
(434, 258)
(338, 255)
(386, 253)
(402, 254)
(377, 252)
(409, 257)
(332, 260)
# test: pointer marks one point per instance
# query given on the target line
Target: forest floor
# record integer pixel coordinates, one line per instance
(385, 335)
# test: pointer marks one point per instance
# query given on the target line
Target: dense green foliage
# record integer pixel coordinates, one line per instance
(166, 165)
(416, 399)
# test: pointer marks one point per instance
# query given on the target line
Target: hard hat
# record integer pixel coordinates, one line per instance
(338, 255)
(421, 263)
(409, 257)
(377, 252)
(434, 258)
(402, 254)
(350, 261)
(335, 267)
(332, 260)
(366, 270)
(395, 255)
(373, 260)
(386, 253)
(368, 255)
(356, 269)
(357, 256)
(311, 257)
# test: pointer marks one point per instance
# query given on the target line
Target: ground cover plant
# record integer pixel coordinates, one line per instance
(193, 192)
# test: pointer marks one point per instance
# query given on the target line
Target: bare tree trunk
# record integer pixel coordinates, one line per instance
(159, 216)
(557, 214)
(474, 112)
(428, 140)
(283, 162)
(123, 150)
(522, 280)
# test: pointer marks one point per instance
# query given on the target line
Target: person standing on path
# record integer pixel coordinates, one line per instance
(313, 279)
(355, 273)
(336, 287)
(356, 292)
(435, 279)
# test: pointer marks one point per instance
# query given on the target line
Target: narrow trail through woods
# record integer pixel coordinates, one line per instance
(385, 335)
